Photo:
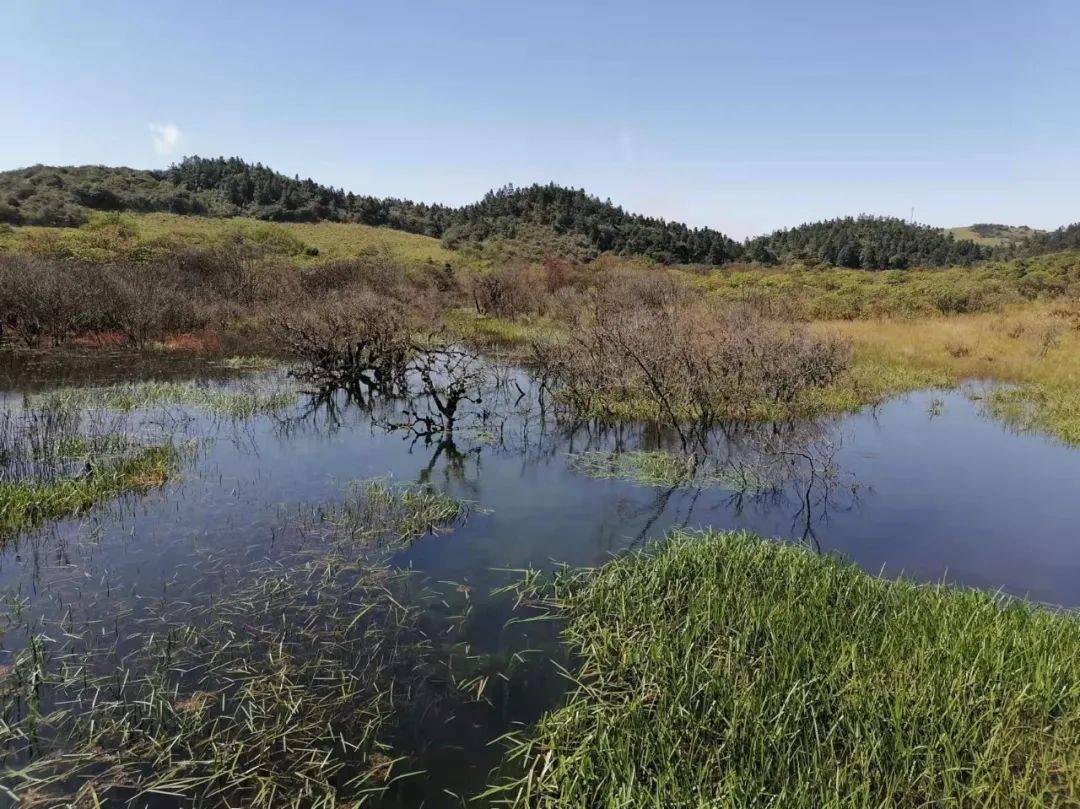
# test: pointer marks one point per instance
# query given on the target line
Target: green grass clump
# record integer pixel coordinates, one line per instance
(378, 513)
(666, 469)
(250, 363)
(869, 381)
(489, 331)
(1042, 408)
(728, 670)
(25, 504)
(127, 397)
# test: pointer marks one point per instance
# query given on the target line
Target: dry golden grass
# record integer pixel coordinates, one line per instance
(1035, 347)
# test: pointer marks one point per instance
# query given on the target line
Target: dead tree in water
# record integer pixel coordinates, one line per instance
(447, 375)
(340, 349)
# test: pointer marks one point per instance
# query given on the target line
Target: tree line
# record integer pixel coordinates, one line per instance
(224, 187)
(867, 242)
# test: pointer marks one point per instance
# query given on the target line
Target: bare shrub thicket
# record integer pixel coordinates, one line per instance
(46, 300)
(508, 292)
(650, 344)
(146, 302)
(233, 287)
(36, 301)
(358, 342)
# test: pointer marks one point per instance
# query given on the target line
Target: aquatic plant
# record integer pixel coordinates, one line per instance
(660, 468)
(725, 669)
(249, 363)
(53, 466)
(242, 402)
(381, 513)
(277, 690)
(27, 503)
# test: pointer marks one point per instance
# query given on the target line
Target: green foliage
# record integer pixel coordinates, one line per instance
(867, 242)
(844, 294)
(1064, 238)
(28, 503)
(728, 670)
(992, 235)
(65, 195)
(505, 213)
(248, 401)
(254, 190)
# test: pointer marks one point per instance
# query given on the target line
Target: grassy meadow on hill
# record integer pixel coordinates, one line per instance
(991, 235)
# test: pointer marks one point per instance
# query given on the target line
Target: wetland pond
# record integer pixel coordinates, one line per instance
(923, 485)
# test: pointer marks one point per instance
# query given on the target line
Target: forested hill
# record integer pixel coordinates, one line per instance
(45, 195)
(65, 195)
(554, 217)
(508, 212)
(869, 242)
(1065, 238)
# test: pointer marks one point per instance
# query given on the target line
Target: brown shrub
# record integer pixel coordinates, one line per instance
(511, 291)
(372, 274)
(353, 341)
(146, 303)
(687, 361)
(40, 298)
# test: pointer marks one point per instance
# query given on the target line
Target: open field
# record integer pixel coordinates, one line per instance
(154, 237)
(1033, 348)
(993, 235)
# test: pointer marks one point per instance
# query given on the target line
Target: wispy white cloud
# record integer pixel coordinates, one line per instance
(166, 138)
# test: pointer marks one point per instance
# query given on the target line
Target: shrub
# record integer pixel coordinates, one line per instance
(686, 362)
(39, 299)
(145, 302)
(357, 342)
(508, 292)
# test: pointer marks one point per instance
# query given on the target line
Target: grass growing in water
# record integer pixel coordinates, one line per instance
(1034, 349)
(275, 692)
(25, 504)
(659, 468)
(249, 363)
(244, 403)
(727, 670)
(379, 514)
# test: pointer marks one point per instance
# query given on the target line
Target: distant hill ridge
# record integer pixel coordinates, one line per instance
(226, 187)
(64, 196)
(867, 242)
(995, 235)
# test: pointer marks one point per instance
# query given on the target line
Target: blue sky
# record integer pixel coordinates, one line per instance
(745, 116)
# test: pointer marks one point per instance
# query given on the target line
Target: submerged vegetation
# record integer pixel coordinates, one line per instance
(240, 403)
(276, 691)
(52, 468)
(660, 468)
(28, 503)
(783, 678)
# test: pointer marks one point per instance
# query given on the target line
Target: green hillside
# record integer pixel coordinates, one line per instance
(992, 235)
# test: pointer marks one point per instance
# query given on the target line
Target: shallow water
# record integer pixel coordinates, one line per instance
(923, 486)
